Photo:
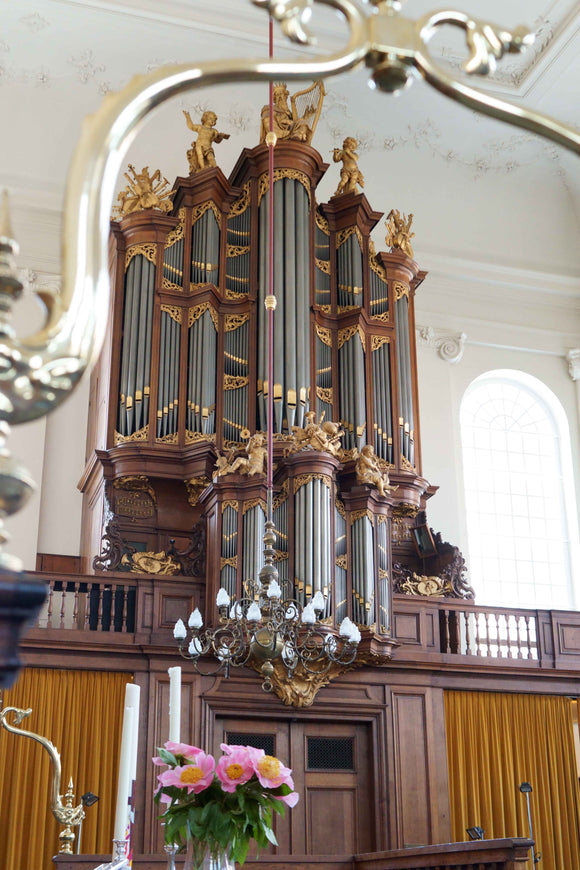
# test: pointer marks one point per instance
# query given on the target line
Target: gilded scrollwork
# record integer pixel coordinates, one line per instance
(166, 284)
(159, 563)
(408, 466)
(400, 289)
(378, 341)
(139, 435)
(324, 334)
(232, 561)
(346, 334)
(323, 265)
(241, 204)
(177, 232)
(230, 503)
(346, 233)
(234, 321)
(237, 250)
(321, 222)
(174, 311)
(359, 514)
(342, 562)
(194, 437)
(195, 486)
(196, 312)
(296, 174)
(145, 249)
(324, 394)
(136, 483)
(302, 479)
(234, 382)
(200, 210)
(251, 503)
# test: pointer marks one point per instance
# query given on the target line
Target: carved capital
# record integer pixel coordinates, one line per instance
(573, 359)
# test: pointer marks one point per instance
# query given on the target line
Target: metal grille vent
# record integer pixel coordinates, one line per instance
(258, 741)
(330, 753)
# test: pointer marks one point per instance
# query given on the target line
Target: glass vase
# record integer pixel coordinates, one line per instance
(200, 856)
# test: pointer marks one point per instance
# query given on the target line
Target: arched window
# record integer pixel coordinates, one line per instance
(518, 488)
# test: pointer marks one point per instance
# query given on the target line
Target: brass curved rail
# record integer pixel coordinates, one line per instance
(63, 814)
(36, 374)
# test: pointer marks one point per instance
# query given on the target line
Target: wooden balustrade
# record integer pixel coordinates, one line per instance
(488, 631)
(90, 604)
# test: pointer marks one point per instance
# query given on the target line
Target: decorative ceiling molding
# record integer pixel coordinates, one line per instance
(449, 346)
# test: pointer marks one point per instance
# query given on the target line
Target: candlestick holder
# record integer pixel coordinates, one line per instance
(119, 859)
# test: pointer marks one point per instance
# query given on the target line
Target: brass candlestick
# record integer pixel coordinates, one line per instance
(65, 813)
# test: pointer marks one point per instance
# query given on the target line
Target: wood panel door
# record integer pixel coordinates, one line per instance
(331, 766)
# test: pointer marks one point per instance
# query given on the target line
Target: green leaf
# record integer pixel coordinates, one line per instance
(167, 757)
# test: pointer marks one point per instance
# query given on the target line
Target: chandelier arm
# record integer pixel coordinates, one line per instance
(45, 367)
(481, 101)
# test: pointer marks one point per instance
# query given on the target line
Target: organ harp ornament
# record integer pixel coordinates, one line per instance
(297, 121)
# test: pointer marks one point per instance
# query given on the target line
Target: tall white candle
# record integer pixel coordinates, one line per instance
(132, 697)
(174, 704)
(124, 781)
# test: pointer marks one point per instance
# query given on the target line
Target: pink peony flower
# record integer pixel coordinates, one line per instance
(183, 749)
(234, 767)
(195, 777)
(270, 771)
(289, 799)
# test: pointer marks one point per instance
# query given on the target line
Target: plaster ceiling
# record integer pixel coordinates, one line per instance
(480, 190)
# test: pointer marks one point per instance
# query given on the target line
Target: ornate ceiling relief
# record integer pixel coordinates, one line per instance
(450, 346)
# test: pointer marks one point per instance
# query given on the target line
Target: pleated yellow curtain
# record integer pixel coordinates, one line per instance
(81, 713)
(497, 741)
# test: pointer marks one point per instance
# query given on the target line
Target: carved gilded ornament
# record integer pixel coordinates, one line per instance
(200, 210)
(235, 382)
(232, 561)
(346, 233)
(302, 479)
(235, 294)
(347, 333)
(139, 435)
(383, 317)
(230, 503)
(196, 312)
(233, 322)
(172, 438)
(297, 121)
(295, 174)
(280, 499)
(194, 437)
(378, 341)
(241, 204)
(237, 250)
(381, 520)
(174, 311)
(323, 265)
(408, 466)
(339, 505)
(400, 290)
(350, 175)
(324, 334)
(377, 267)
(151, 563)
(358, 515)
(145, 249)
(136, 483)
(195, 486)
(253, 503)
(301, 689)
(254, 462)
(425, 587)
(324, 436)
(144, 191)
(399, 233)
(321, 222)
(177, 232)
(166, 284)
(342, 562)
(404, 509)
(201, 154)
(324, 394)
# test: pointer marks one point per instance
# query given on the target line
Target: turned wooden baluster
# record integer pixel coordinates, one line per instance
(467, 643)
(477, 637)
(528, 638)
(519, 636)
(487, 637)
(75, 615)
(507, 617)
(62, 602)
(125, 608)
(100, 610)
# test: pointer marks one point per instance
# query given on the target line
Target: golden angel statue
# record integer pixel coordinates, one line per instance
(144, 191)
(368, 470)
(350, 174)
(298, 120)
(201, 154)
(399, 233)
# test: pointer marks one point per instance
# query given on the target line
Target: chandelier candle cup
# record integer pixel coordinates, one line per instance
(217, 809)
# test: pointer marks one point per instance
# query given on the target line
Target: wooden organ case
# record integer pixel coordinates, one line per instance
(182, 383)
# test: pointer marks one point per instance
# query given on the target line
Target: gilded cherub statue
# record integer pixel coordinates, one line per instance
(322, 436)
(144, 191)
(368, 470)
(399, 233)
(253, 463)
(297, 121)
(201, 154)
(350, 174)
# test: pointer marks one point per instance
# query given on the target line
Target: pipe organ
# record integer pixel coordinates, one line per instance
(185, 383)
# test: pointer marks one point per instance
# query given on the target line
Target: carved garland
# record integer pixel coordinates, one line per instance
(401, 290)
(241, 204)
(295, 174)
(174, 311)
(302, 479)
(196, 312)
(145, 249)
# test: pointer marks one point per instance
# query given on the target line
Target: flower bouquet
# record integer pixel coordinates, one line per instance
(220, 808)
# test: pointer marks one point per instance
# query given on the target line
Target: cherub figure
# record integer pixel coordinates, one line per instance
(253, 463)
(350, 174)
(368, 470)
(399, 233)
(201, 154)
(322, 436)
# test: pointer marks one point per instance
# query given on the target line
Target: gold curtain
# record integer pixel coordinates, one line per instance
(81, 713)
(497, 741)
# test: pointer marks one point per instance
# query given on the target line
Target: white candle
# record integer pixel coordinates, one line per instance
(124, 782)
(174, 704)
(132, 697)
